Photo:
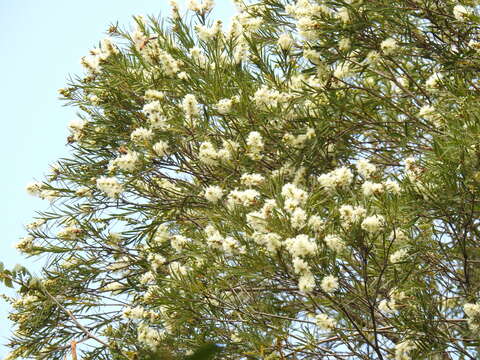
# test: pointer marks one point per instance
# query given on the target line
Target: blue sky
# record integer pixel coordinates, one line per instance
(42, 43)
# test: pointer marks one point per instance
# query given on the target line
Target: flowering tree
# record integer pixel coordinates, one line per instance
(302, 185)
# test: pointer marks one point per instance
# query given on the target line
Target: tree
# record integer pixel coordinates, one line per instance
(303, 185)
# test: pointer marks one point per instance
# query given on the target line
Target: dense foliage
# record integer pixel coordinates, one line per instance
(301, 185)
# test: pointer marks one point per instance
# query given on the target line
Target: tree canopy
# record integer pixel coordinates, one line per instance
(303, 184)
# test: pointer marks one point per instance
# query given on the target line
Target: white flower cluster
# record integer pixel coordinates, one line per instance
(197, 55)
(231, 246)
(176, 269)
(207, 33)
(114, 287)
(324, 322)
(76, 127)
(213, 193)
(334, 242)
(25, 244)
(389, 46)
(179, 242)
(266, 97)
(399, 236)
(154, 113)
(110, 186)
(257, 219)
(190, 106)
(285, 41)
(69, 233)
(121, 264)
(202, 7)
(373, 224)
(160, 148)
(125, 162)
(372, 58)
(305, 12)
(343, 15)
(93, 61)
(161, 235)
(153, 107)
(147, 278)
(299, 140)
(343, 70)
(433, 81)
(350, 214)
(370, 188)
(36, 224)
(149, 336)
(49, 195)
(246, 197)
(213, 236)
(306, 282)
(385, 306)
(461, 13)
(141, 135)
(298, 218)
(252, 179)
(300, 266)
(34, 188)
(255, 145)
(241, 52)
(301, 245)
(345, 44)
(136, 313)
(25, 300)
(294, 197)
(71, 263)
(427, 111)
(153, 95)
(390, 305)
(412, 170)
(248, 22)
(329, 284)
(316, 223)
(271, 241)
(474, 44)
(399, 256)
(208, 154)
(365, 168)
(152, 293)
(473, 313)
(138, 36)
(228, 244)
(150, 49)
(338, 178)
(235, 337)
(312, 55)
(168, 64)
(392, 186)
(403, 350)
(224, 106)
(84, 192)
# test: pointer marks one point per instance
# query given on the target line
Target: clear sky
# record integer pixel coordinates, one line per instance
(42, 43)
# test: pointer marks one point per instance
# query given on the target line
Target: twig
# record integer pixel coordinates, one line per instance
(74, 319)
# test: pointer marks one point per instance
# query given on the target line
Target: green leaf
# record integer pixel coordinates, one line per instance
(205, 352)
(8, 282)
